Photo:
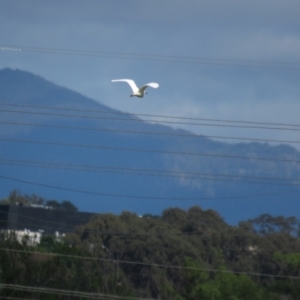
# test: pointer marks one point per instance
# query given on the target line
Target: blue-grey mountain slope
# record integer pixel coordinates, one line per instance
(68, 146)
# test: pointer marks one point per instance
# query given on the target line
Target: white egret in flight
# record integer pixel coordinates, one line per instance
(138, 92)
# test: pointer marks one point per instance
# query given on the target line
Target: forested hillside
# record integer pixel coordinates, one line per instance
(181, 254)
(59, 143)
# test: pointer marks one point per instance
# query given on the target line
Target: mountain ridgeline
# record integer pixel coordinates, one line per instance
(67, 146)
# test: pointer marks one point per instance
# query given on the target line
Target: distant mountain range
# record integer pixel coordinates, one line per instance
(67, 146)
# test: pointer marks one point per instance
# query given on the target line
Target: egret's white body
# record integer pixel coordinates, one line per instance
(138, 92)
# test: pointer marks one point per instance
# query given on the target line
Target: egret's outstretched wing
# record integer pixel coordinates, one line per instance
(130, 82)
(151, 84)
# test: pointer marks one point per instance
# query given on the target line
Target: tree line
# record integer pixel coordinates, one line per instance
(17, 198)
(180, 254)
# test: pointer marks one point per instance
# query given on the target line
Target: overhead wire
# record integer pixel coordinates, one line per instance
(149, 172)
(15, 298)
(156, 57)
(292, 219)
(115, 112)
(93, 193)
(149, 120)
(189, 153)
(105, 147)
(202, 232)
(180, 153)
(151, 264)
(267, 128)
(176, 59)
(73, 293)
(140, 196)
(19, 48)
(147, 132)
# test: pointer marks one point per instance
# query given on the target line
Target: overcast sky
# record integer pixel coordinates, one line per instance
(224, 33)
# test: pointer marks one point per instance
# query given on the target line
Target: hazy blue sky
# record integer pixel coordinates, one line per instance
(265, 31)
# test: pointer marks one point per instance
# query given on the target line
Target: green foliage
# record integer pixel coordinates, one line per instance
(290, 266)
(64, 205)
(220, 285)
(291, 259)
(213, 256)
(65, 271)
(67, 205)
(267, 224)
(203, 236)
(17, 198)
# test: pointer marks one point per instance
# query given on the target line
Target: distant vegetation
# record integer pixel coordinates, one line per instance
(179, 255)
(16, 198)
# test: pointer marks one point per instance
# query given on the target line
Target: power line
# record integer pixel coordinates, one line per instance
(151, 264)
(72, 293)
(147, 132)
(19, 48)
(209, 231)
(103, 147)
(139, 196)
(145, 172)
(15, 298)
(201, 233)
(156, 57)
(95, 193)
(149, 120)
(147, 115)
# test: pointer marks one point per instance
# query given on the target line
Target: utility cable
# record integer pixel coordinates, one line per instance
(62, 292)
(103, 147)
(19, 48)
(151, 264)
(15, 298)
(209, 231)
(95, 193)
(153, 57)
(200, 233)
(202, 136)
(148, 120)
(140, 196)
(151, 172)
(109, 112)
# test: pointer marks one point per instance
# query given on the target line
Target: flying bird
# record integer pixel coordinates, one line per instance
(138, 92)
